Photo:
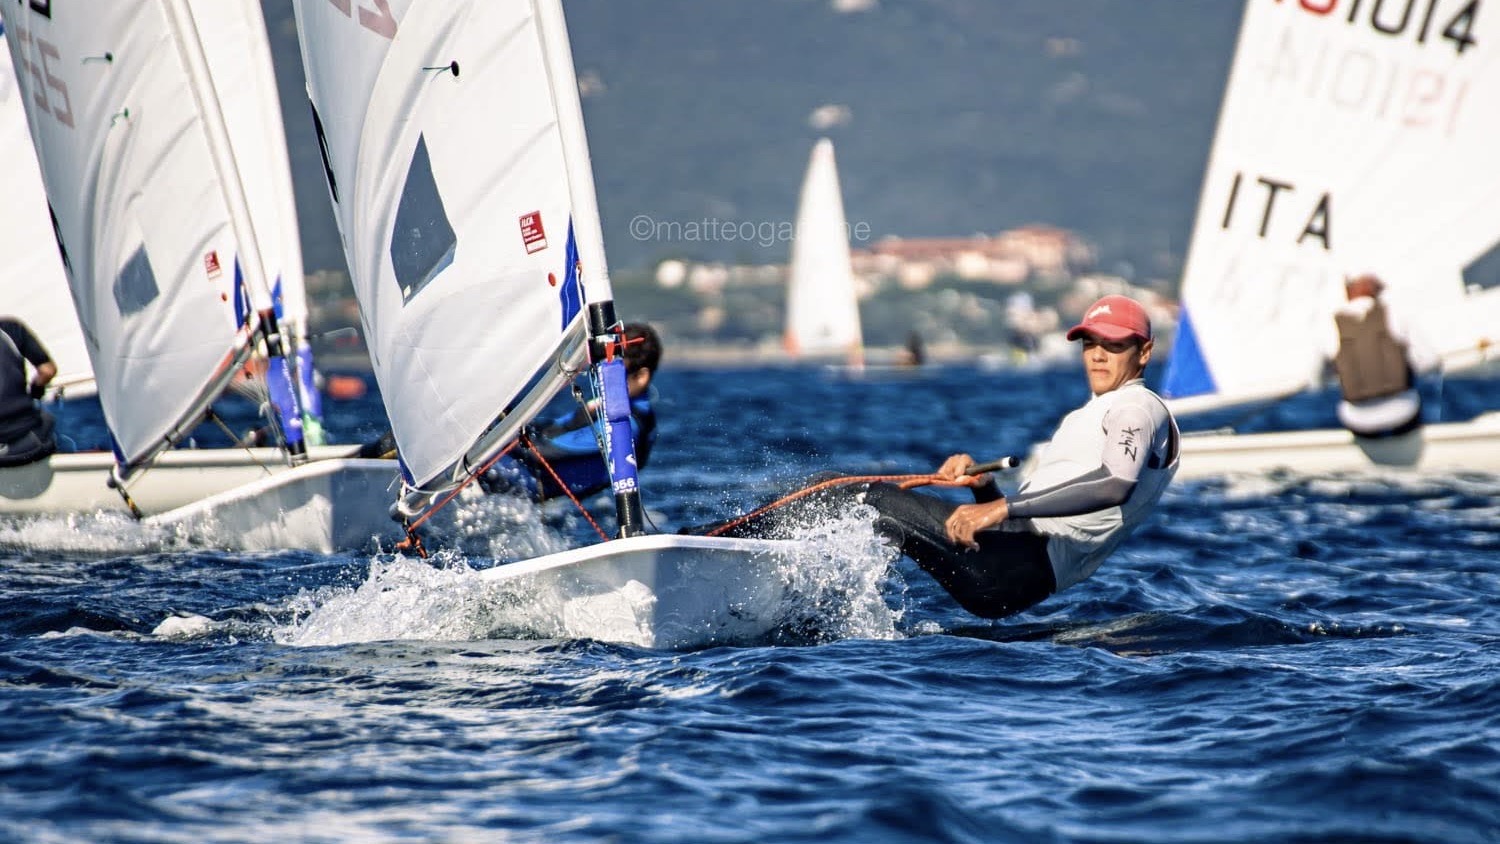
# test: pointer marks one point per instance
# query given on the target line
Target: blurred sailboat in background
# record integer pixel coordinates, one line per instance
(822, 304)
(1345, 143)
(158, 133)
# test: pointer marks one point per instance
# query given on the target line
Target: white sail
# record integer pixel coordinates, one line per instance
(822, 309)
(289, 288)
(1352, 137)
(238, 56)
(33, 285)
(460, 179)
(153, 211)
(240, 62)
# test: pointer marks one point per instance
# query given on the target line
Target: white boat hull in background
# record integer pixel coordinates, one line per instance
(324, 506)
(662, 591)
(241, 498)
(1449, 447)
(79, 483)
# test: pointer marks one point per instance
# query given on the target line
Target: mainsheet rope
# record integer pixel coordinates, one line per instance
(571, 497)
(413, 542)
(903, 481)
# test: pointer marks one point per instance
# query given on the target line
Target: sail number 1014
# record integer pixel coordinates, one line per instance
(1424, 20)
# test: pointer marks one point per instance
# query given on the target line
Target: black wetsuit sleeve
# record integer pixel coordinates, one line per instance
(26, 343)
(35, 351)
(1128, 433)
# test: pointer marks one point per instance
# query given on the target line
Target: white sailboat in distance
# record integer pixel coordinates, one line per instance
(822, 305)
(33, 285)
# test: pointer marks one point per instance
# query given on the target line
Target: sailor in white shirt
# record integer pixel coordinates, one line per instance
(1098, 479)
(1092, 484)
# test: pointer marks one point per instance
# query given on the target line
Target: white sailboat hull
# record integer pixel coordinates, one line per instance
(323, 506)
(1404, 198)
(245, 498)
(1472, 446)
(78, 483)
(661, 591)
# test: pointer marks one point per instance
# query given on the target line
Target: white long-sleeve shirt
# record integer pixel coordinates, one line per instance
(1122, 440)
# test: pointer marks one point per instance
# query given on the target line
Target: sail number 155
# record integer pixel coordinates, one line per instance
(378, 20)
(37, 58)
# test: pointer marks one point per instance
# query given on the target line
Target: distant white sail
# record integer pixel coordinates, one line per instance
(153, 199)
(1352, 137)
(822, 309)
(33, 285)
(457, 163)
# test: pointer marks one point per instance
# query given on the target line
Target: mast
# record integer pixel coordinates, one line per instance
(185, 35)
(606, 336)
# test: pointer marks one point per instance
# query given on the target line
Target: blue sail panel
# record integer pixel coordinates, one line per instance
(279, 384)
(303, 378)
(1187, 371)
(619, 444)
(570, 292)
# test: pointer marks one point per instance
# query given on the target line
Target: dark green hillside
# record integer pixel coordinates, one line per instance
(964, 116)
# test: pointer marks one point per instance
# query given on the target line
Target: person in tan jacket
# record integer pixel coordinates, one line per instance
(1377, 362)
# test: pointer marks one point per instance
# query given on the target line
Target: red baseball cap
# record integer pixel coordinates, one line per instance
(1114, 318)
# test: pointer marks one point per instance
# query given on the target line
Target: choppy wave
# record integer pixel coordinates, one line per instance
(1272, 658)
(834, 588)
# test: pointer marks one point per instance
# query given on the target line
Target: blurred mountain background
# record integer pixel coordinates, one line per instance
(950, 118)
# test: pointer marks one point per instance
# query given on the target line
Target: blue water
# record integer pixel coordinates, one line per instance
(1276, 659)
